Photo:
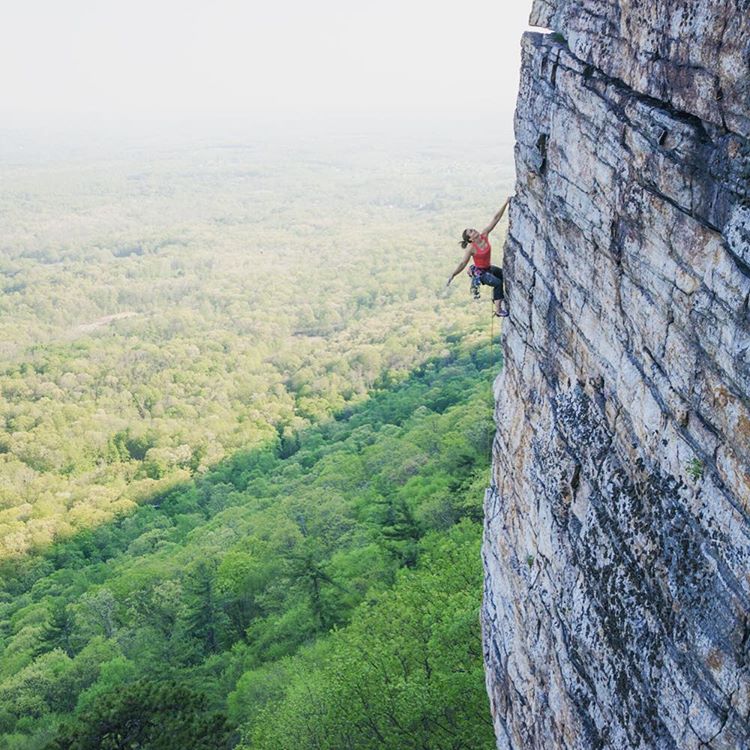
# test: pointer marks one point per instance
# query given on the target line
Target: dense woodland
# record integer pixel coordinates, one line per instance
(244, 441)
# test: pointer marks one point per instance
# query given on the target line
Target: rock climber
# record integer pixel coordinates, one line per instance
(477, 246)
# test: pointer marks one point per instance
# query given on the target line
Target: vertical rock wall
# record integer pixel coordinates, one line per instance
(617, 545)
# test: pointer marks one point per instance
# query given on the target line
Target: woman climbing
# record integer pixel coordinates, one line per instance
(478, 246)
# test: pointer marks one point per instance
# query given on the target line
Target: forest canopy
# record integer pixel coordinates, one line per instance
(158, 314)
(244, 442)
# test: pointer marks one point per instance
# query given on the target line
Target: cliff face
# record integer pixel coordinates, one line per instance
(617, 546)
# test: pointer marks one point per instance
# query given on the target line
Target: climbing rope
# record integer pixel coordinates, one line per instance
(491, 434)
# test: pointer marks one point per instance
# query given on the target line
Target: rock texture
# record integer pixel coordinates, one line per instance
(617, 545)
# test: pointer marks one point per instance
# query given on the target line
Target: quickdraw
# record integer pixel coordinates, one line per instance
(474, 274)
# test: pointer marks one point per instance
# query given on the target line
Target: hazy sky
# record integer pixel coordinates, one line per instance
(136, 59)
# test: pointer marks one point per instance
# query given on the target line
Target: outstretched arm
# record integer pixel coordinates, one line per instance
(460, 267)
(497, 217)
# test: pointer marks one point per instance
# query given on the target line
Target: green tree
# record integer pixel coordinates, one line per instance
(60, 628)
(396, 678)
(204, 612)
(146, 714)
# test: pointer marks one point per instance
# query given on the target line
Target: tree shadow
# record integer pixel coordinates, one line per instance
(188, 505)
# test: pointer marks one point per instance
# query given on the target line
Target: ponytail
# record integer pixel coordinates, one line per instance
(465, 241)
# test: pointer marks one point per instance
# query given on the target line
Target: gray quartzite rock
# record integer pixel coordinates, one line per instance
(693, 55)
(617, 540)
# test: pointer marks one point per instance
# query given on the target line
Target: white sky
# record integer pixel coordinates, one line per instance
(138, 59)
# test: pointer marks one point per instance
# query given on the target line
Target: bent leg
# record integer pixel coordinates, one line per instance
(494, 277)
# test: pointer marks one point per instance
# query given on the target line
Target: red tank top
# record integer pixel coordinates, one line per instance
(482, 251)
